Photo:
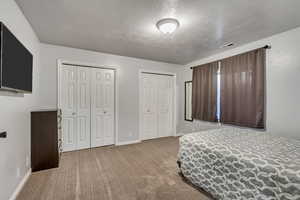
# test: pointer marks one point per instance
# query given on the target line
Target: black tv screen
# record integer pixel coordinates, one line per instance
(16, 63)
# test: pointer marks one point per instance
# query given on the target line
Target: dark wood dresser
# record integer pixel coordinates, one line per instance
(45, 139)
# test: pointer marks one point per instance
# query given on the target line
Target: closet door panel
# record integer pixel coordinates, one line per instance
(149, 106)
(108, 129)
(108, 97)
(83, 107)
(165, 106)
(97, 108)
(83, 134)
(69, 136)
(68, 104)
(68, 87)
(99, 130)
(108, 107)
(102, 107)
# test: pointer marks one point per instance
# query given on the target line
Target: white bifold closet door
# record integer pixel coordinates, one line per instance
(87, 104)
(157, 99)
(149, 107)
(83, 108)
(75, 105)
(102, 107)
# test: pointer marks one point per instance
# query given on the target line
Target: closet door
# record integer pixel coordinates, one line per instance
(68, 104)
(157, 106)
(149, 106)
(165, 106)
(83, 114)
(103, 97)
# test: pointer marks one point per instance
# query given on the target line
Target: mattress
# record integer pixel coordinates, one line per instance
(232, 163)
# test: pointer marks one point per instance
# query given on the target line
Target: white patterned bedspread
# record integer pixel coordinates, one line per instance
(232, 163)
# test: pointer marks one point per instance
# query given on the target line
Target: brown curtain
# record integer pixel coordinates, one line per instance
(204, 94)
(243, 89)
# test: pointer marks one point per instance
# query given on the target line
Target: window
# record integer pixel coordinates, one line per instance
(231, 91)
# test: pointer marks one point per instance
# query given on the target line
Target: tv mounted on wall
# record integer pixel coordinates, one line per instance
(15, 63)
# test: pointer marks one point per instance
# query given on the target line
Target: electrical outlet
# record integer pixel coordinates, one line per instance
(18, 172)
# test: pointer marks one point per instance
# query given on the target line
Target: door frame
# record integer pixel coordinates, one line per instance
(116, 70)
(141, 71)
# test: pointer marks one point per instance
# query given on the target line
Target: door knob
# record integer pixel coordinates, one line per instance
(74, 113)
(104, 112)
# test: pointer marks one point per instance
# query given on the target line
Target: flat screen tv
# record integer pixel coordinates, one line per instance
(15, 63)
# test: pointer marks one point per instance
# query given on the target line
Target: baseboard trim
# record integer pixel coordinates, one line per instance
(128, 142)
(20, 185)
(180, 134)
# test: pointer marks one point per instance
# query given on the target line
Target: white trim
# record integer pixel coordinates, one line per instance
(128, 142)
(174, 98)
(117, 72)
(60, 62)
(157, 72)
(175, 106)
(140, 105)
(86, 64)
(20, 185)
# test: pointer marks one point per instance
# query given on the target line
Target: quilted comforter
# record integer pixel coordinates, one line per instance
(233, 163)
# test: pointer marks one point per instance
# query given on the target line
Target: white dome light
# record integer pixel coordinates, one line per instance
(167, 26)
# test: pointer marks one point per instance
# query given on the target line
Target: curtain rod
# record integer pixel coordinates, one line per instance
(265, 47)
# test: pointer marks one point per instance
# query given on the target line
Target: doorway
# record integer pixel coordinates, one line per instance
(157, 105)
(86, 96)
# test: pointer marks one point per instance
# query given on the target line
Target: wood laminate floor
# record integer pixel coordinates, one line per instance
(144, 171)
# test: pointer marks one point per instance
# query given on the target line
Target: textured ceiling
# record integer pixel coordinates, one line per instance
(127, 27)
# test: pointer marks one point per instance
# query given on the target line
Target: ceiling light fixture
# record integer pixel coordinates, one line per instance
(167, 25)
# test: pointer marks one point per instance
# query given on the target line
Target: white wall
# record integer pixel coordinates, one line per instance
(283, 97)
(14, 109)
(128, 81)
(282, 79)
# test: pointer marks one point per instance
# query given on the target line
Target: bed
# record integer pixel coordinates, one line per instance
(232, 163)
